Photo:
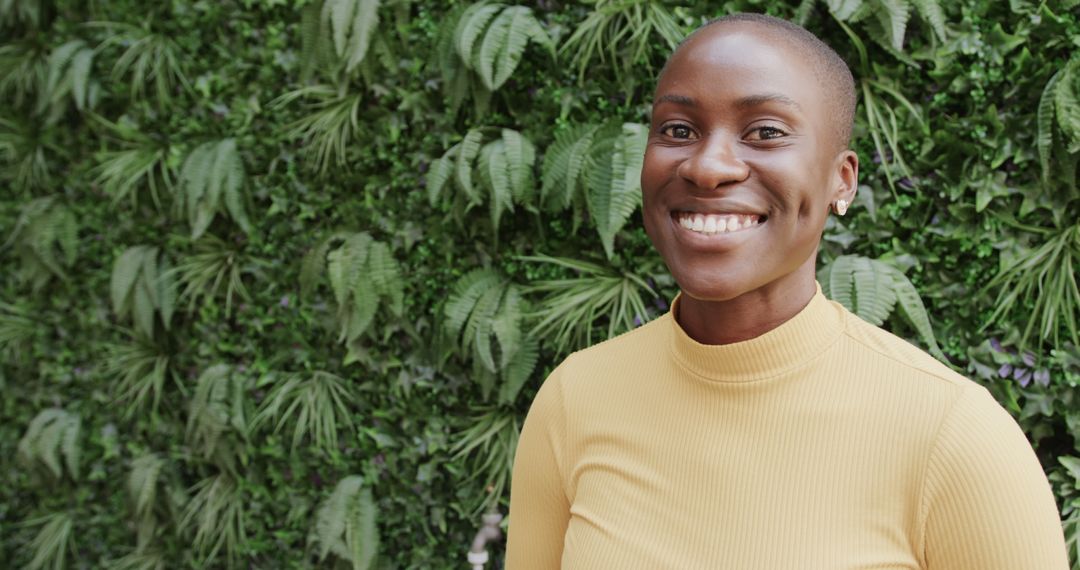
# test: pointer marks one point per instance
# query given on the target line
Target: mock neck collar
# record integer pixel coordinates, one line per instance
(794, 343)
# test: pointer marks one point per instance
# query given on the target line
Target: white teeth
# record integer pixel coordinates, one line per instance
(715, 223)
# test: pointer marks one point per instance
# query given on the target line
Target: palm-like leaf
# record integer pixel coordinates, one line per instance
(25, 146)
(572, 308)
(1042, 284)
(23, 70)
(52, 434)
(621, 32)
(52, 543)
(871, 289)
(216, 513)
(318, 405)
(141, 369)
(489, 442)
(139, 160)
(212, 180)
(213, 264)
(345, 524)
(149, 58)
(330, 127)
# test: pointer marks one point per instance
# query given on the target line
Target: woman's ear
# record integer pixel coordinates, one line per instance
(845, 177)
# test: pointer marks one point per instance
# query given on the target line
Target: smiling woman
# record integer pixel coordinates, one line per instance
(757, 424)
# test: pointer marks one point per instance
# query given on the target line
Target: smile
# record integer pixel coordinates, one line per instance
(716, 223)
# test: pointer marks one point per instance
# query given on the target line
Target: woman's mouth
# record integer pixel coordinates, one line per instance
(712, 224)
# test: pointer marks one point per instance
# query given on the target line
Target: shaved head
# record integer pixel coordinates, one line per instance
(832, 73)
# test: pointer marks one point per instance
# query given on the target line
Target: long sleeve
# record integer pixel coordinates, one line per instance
(539, 508)
(986, 502)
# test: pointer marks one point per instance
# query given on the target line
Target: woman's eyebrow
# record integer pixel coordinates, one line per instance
(757, 100)
(678, 100)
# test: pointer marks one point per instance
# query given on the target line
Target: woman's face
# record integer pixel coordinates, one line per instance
(740, 166)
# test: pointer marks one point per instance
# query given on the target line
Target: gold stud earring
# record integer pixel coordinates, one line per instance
(840, 206)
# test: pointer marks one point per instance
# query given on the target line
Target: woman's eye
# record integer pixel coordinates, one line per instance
(678, 131)
(766, 133)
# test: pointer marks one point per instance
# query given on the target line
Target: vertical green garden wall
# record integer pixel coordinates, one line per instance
(279, 278)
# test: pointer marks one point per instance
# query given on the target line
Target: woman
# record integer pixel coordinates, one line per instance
(758, 425)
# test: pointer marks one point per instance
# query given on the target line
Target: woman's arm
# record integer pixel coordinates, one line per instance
(539, 508)
(986, 502)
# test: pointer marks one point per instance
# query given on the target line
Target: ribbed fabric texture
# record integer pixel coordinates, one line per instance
(826, 443)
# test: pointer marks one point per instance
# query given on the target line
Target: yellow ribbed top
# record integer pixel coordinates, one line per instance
(826, 443)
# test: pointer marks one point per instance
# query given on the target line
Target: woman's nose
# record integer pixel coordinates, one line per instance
(714, 164)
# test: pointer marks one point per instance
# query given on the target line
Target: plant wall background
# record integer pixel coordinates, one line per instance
(279, 278)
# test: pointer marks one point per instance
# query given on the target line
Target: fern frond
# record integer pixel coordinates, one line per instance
(504, 43)
(345, 524)
(931, 11)
(614, 179)
(351, 25)
(69, 73)
(51, 434)
(564, 165)
(469, 28)
(45, 239)
(212, 174)
(142, 286)
(217, 409)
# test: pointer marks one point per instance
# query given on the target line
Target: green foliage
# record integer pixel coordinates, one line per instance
(363, 275)
(217, 426)
(605, 164)
(213, 264)
(141, 286)
(345, 524)
(570, 309)
(149, 58)
(53, 541)
(623, 33)
(317, 404)
(53, 433)
(504, 167)
(1039, 287)
(872, 288)
(212, 174)
(45, 239)
(210, 437)
(490, 442)
(216, 514)
(140, 370)
(139, 160)
(69, 73)
(330, 127)
(486, 42)
(484, 317)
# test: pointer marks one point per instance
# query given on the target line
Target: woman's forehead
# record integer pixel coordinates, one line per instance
(742, 58)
